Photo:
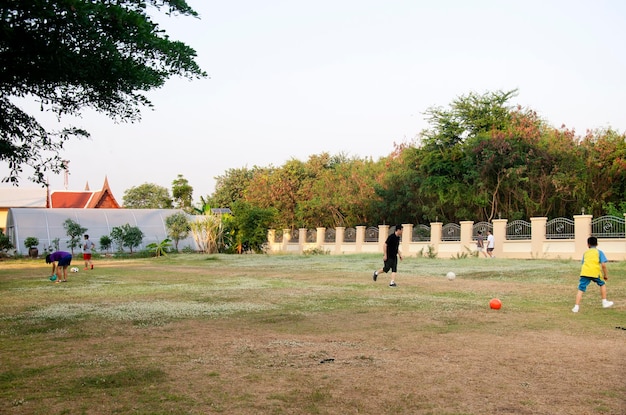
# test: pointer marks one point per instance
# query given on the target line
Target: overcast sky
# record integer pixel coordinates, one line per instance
(289, 79)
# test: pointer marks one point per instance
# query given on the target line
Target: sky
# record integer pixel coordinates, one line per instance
(290, 79)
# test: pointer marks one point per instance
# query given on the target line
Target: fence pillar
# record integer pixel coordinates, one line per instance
(360, 238)
(407, 236)
(301, 239)
(467, 234)
(321, 237)
(582, 231)
(436, 229)
(286, 238)
(271, 237)
(383, 233)
(339, 235)
(499, 234)
(537, 236)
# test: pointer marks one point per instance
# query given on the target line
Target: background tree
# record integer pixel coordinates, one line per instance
(481, 158)
(127, 236)
(249, 225)
(338, 191)
(183, 194)
(279, 188)
(105, 243)
(117, 235)
(604, 169)
(75, 232)
(231, 186)
(73, 55)
(399, 199)
(147, 196)
(54, 244)
(177, 227)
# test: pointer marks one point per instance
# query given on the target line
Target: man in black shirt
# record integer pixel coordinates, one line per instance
(390, 256)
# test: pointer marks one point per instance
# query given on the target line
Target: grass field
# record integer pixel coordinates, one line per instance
(255, 334)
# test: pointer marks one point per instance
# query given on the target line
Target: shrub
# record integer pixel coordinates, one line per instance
(316, 251)
(105, 242)
(31, 242)
(5, 243)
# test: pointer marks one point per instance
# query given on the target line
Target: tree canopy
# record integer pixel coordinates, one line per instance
(182, 192)
(147, 196)
(70, 55)
(481, 158)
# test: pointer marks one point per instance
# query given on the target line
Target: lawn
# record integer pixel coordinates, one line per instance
(287, 334)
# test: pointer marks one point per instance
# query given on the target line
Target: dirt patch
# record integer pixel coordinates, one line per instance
(377, 363)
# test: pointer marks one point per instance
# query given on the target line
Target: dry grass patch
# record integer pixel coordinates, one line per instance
(194, 334)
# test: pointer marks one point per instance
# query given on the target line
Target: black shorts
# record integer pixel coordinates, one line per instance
(391, 264)
(65, 261)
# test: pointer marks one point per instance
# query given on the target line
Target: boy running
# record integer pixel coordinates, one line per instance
(593, 268)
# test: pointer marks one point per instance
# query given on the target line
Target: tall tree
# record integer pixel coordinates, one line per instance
(446, 168)
(279, 188)
(147, 196)
(231, 186)
(249, 226)
(178, 227)
(339, 191)
(72, 55)
(127, 236)
(182, 193)
(605, 167)
(74, 231)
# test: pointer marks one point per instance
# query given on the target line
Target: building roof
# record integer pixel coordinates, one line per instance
(85, 199)
(221, 211)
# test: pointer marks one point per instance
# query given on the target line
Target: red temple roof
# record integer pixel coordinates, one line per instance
(85, 199)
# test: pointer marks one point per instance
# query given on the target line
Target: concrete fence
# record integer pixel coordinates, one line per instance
(539, 242)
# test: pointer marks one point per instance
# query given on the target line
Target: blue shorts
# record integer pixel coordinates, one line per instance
(65, 261)
(584, 282)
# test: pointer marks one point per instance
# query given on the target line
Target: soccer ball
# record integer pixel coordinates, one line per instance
(450, 276)
(495, 304)
(74, 269)
(53, 277)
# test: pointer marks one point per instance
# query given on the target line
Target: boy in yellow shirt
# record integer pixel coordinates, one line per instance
(593, 268)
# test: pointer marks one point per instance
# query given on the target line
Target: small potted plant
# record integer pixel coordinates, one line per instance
(31, 243)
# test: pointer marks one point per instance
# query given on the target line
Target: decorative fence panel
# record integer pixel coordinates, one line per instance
(483, 227)
(371, 234)
(608, 227)
(350, 235)
(295, 236)
(420, 233)
(330, 235)
(560, 228)
(311, 235)
(518, 229)
(451, 232)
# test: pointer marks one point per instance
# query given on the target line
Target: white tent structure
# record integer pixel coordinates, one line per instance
(47, 225)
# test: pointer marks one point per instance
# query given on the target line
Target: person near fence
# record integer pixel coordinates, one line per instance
(480, 244)
(390, 256)
(593, 270)
(491, 244)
